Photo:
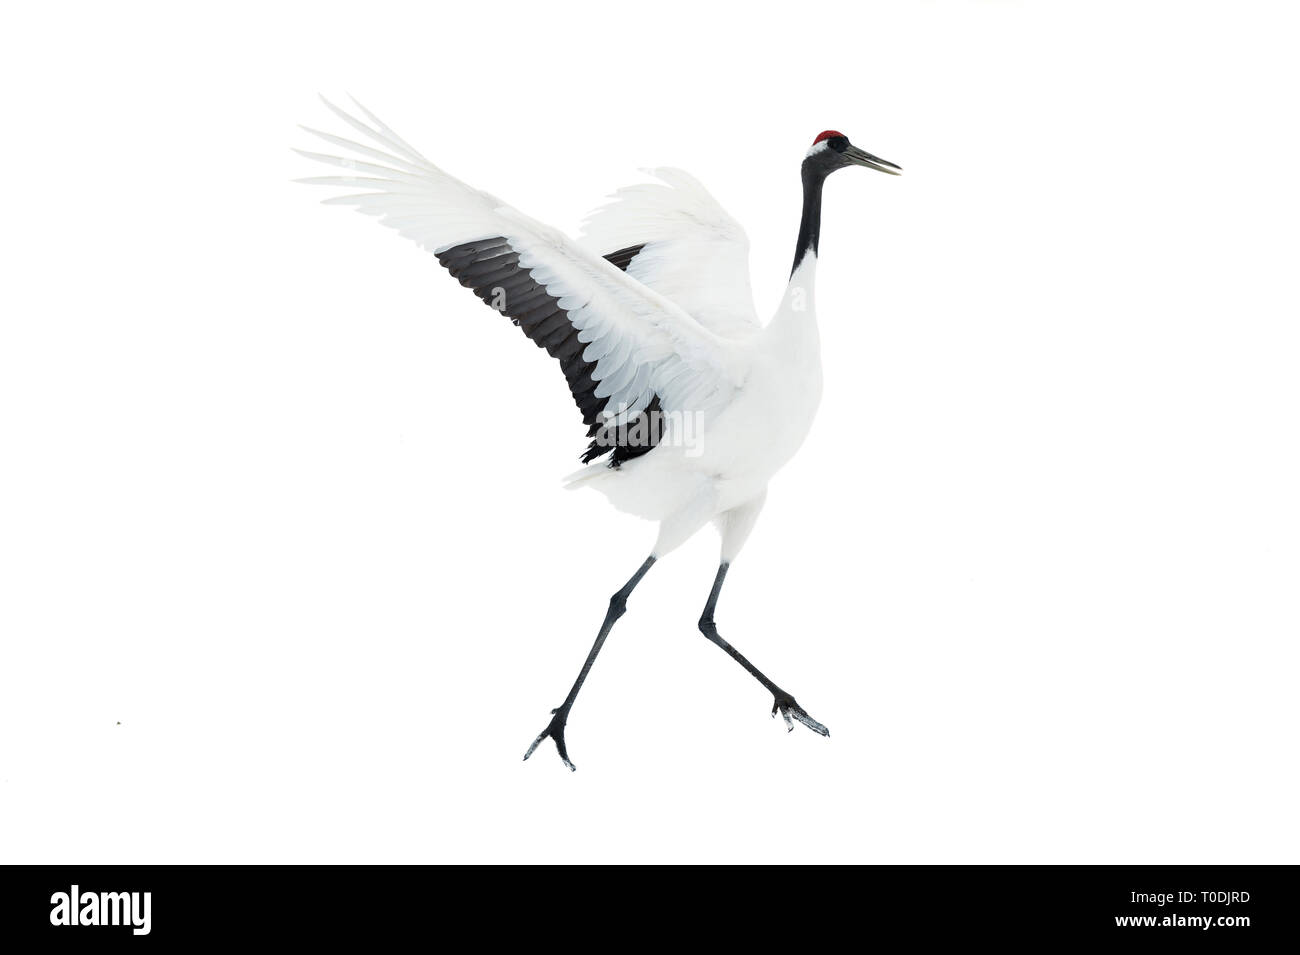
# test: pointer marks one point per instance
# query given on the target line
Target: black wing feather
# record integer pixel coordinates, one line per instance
(491, 269)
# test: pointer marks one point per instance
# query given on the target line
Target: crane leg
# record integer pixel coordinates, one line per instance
(781, 700)
(560, 715)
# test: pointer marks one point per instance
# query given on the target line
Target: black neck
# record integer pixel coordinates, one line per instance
(810, 225)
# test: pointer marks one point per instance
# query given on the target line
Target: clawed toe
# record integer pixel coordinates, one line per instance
(791, 711)
(555, 730)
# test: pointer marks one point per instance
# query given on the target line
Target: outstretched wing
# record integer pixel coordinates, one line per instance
(693, 252)
(622, 346)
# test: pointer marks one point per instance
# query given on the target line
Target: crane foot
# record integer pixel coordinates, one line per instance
(791, 711)
(555, 730)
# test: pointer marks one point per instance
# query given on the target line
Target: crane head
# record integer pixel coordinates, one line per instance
(832, 150)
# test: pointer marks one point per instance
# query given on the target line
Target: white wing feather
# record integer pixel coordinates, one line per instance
(695, 253)
(643, 344)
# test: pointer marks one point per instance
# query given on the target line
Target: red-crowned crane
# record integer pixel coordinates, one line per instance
(690, 404)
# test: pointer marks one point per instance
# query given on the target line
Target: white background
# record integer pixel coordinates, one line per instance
(288, 574)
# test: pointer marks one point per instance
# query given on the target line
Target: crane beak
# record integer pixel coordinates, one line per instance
(860, 157)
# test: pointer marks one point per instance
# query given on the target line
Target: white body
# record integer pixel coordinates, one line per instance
(740, 445)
